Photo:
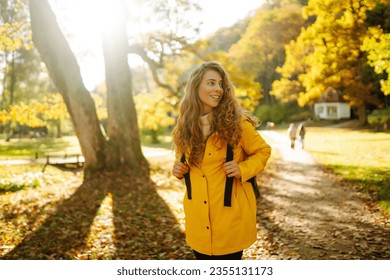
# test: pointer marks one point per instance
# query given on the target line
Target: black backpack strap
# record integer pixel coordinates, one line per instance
(187, 178)
(255, 187)
(229, 180)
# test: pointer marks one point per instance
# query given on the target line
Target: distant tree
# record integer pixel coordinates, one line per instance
(154, 113)
(225, 37)
(261, 48)
(23, 78)
(15, 39)
(376, 44)
(327, 54)
(175, 27)
(53, 109)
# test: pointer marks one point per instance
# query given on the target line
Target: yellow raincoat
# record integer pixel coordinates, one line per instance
(211, 227)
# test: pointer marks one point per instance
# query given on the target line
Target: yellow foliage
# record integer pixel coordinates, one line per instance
(248, 91)
(14, 36)
(27, 114)
(153, 110)
(286, 90)
(4, 117)
(53, 107)
(377, 45)
(35, 113)
(327, 53)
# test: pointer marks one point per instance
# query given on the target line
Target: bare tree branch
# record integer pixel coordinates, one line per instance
(153, 66)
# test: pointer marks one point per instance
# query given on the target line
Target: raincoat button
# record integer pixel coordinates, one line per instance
(207, 227)
(205, 202)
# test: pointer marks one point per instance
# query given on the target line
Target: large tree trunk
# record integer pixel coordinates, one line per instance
(65, 72)
(123, 148)
(122, 127)
(362, 115)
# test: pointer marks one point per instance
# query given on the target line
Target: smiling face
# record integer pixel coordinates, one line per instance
(210, 90)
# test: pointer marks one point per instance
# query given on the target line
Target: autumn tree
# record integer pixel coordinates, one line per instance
(122, 146)
(225, 37)
(15, 37)
(154, 113)
(25, 83)
(377, 46)
(36, 113)
(327, 54)
(260, 50)
(247, 90)
(176, 25)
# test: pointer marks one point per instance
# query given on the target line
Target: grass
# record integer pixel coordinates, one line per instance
(360, 157)
(27, 148)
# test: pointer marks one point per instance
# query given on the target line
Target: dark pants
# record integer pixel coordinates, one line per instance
(292, 143)
(233, 256)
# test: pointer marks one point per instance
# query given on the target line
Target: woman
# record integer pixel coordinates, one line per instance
(210, 119)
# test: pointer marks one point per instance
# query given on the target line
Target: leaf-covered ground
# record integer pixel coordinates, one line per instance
(305, 212)
(114, 216)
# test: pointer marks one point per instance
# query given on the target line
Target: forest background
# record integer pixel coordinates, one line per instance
(282, 58)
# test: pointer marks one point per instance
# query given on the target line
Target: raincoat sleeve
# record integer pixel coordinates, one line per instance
(256, 150)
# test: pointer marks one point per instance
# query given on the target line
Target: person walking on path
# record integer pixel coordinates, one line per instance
(292, 133)
(301, 131)
(210, 119)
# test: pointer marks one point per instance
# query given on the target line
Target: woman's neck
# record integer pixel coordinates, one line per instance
(205, 121)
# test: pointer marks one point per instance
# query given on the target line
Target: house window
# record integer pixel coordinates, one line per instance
(332, 111)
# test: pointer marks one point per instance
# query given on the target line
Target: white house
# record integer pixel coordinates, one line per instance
(330, 106)
(332, 110)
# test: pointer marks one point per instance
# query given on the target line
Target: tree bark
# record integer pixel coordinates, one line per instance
(59, 129)
(122, 148)
(122, 126)
(153, 66)
(362, 115)
(65, 72)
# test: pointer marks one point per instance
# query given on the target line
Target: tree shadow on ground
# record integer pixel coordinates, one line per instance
(144, 226)
(313, 217)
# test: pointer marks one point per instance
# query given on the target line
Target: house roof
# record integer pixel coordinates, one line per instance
(331, 95)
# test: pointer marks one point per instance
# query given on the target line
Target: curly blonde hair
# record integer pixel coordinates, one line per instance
(226, 117)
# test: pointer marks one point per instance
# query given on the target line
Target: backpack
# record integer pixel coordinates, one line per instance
(228, 183)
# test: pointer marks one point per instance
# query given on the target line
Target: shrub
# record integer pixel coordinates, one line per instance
(379, 119)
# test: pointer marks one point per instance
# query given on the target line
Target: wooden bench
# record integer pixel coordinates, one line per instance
(64, 159)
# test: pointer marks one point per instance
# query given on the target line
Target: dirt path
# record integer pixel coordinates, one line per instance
(306, 212)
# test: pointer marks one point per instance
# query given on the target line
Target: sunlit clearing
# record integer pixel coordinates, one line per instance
(100, 243)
